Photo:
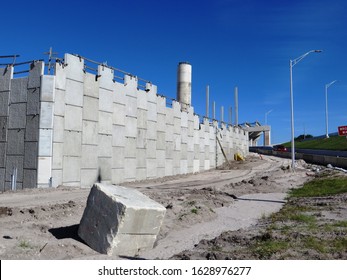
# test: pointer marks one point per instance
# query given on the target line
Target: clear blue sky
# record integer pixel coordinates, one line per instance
(244, 43)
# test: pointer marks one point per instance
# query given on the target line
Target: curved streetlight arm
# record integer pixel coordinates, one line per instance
(328, 85)
(297, 60)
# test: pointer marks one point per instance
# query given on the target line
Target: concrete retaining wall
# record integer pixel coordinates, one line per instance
(90, 128)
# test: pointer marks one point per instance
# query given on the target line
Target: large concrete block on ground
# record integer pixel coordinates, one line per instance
(120, 221)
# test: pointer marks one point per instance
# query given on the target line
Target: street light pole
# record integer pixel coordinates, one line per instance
(292, 63)
(326, 108)
(268, 112)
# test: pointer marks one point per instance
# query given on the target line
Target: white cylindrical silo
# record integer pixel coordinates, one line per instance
(184, 85)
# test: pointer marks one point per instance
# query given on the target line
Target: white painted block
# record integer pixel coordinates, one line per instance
(46, 115)
(45, 142)
(44, 170)
(57, 177)
(120, 221)
(47, 88)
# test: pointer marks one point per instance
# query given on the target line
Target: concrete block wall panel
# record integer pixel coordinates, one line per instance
(105, 100)
(71, 170)
(91, 85)
(72, 143)
(73, 118)
(6, 75)
(105, 77)
(105, 123)
(15, 144)
(59, 104)
(57, 158)
(17, 115)
(60, 77)
(44, 172)
(105, 169)
(46, 115)
(168, 167)
(47, 88)
(131, 84)
(89, 132)
(91, 108)
(19, 90)
(118, 136)
(74, 68)
(161, 122)
(35, 73)
(142, 100)
(105, 146)
(33, 103)
(161, 105)
(32, 128)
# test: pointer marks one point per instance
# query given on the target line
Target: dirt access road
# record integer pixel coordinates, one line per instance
(43, 223)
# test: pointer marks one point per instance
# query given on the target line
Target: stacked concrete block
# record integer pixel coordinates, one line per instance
(169, 146)
(6, 75)
(58, 126)
(141, 137)
(161, 136)
(118, 135)
(73, 120)
(105, 121)
(177, 135)
(45, 155)
(130, 89)
(120, 221)
(152, 132)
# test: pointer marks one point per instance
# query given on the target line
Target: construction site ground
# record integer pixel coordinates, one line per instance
(228, 201)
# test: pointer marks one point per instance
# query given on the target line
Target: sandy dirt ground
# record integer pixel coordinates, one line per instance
(43, 223)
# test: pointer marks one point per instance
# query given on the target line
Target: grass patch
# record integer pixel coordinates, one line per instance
(194, 211)
(321, 187)
(265, 249)
(336, 143)
(25, 245)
